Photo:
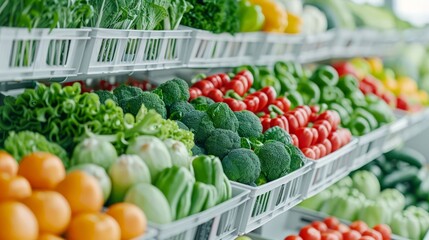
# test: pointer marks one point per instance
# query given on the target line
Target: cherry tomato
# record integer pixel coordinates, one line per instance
(309, 153)
(194, 93)
(271, 93)
(305, 136)
(205, 86)
(372, 233)
(320, 226)
(385, 231)
(315, 136)
(328, 146)
(366, 238)
(242, 79)
(330, 236)
(351, 235)
(295, 140)
(225, 78)
(322, 149)
(216, 80)
(331, 222)
(293, 237)
(335, 140)
(359, 226)
(216, 95)
(309, 233)
(316, 151)
(263, 100)
(342, 228)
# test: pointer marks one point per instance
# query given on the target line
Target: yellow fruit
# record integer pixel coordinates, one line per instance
(275, 15)
(47, 236)
(13, 187)
(17, 222)
(294, 24)
(130, 218)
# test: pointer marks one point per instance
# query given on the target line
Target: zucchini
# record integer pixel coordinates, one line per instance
(403, 188)
(423, 190)
(405, 175)
(407, 155)
(386, 166)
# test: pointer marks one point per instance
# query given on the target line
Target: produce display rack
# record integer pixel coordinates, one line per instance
(65, 53)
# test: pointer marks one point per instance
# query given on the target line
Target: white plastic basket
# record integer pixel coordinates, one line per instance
(120, 51)
(275, 47)
(395, 134)
(271, 199)
(370, 146)
(211, 50)
(316, 47)
(329, 169)
(40, 53)
(149, 234)
(417, 122)
(219, 222)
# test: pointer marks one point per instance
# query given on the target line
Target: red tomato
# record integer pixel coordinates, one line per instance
(322, 149)
(359, 226)
(330, 236)
(309, 153)
(372, 233)
(385, 231)
(293, 237)
(331, 222)
(295, 140)
(366, 238)
(342, 228)
(320, 226)
(310, 233)
(339, 235)
(316, 151)
(216, 95)
(351, 235)
(328, 146)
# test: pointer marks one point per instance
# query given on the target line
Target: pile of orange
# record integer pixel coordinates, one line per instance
(38, 201)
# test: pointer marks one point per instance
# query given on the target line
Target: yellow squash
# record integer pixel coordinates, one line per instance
(276, 17)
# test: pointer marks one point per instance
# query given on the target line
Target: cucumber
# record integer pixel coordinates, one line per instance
(405, 175)
(423, 190)
(407, 155)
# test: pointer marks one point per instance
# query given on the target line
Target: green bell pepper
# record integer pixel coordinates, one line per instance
(266, 78)
(348, 207)
(328, 95)
(316, 202)
(287, 82)
(325, 76)
(422, 216)
(204, 196)
(359, 126)
(360, 112)
(176, 183)
(357, 98)
(295, 99)
(251, 17)
(406, 225)
(394, 199)
(310, 92)
(208, 170)
(381, 111)
(346, 104)
(344, 115)
(348, 84)
(330, 205)
(375, 212)
(362, 180)
(281, 68)
(339, 93)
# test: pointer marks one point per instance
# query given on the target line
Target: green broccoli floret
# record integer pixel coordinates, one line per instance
(250, 143)
(200, 124)
(297, 158)
(182, 125)
(150, 100)
(197, 150)
(202, 103)
(249, 124)
(175, 90)
(242, 165)
(222, 116)
(221, 142)
(104, 95)
(277, 134)
(126, 92)
(178, 109)
(275, 160)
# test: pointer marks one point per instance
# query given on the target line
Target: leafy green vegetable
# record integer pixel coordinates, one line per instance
(26, 142)
(176, 10)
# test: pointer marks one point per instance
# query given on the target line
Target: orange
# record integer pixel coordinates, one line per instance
(93, 226)
(43, 170)
(13, 188)
(51, 209)
(8, 164)
(17, 222)
(82, 192)
(130, 218)
(47, 236)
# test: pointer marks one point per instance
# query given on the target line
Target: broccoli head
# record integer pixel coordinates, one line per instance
(178, 109)
(197, 150)
(126, 92)
(277, 134)
(200, 124)
(275, 160)
(222, 116)
(202, 103)
(148, 99)
(104, 95)
(242, 165)
(182, 125)
(221, 142)
(297, 158)
(249, 124)
(175, 90)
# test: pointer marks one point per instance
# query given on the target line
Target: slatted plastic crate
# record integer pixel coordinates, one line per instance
(219, 222)
(117, 51)
(370, 146)
(329, 169)
(40, 53)
(417, 122)
(316, 47)
(276, 47)
(395, 133)
(207, 49)
(273, 198)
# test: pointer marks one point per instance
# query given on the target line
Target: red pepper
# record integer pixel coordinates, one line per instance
(279, 104)
(335, 140)
(330, 117)
(205, 86)
(322, 148)
(307, 109)
(248, 75)
(216, 80)
(305, 137)
(263, 100)
(241, 105)
(344, 68)
(286, 123)
(277, 122)
(345, 136)
(315, 109)
(252, 103)
(402, 103)
(324, 123)
(328, 146)
(194, 93)
(235, 104)
(286, 103)
(292, 121)
(304, 114)
(372, 84)
(243, 80)
(300, 117)
(309, 153)
(237, 86)
(266, 123)
(322, 131)
(316, 151)
(295, 140)
(313, 117)
(225, 78)
(337, 120)
(271, 93)
(216, 95)
(315, 135)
